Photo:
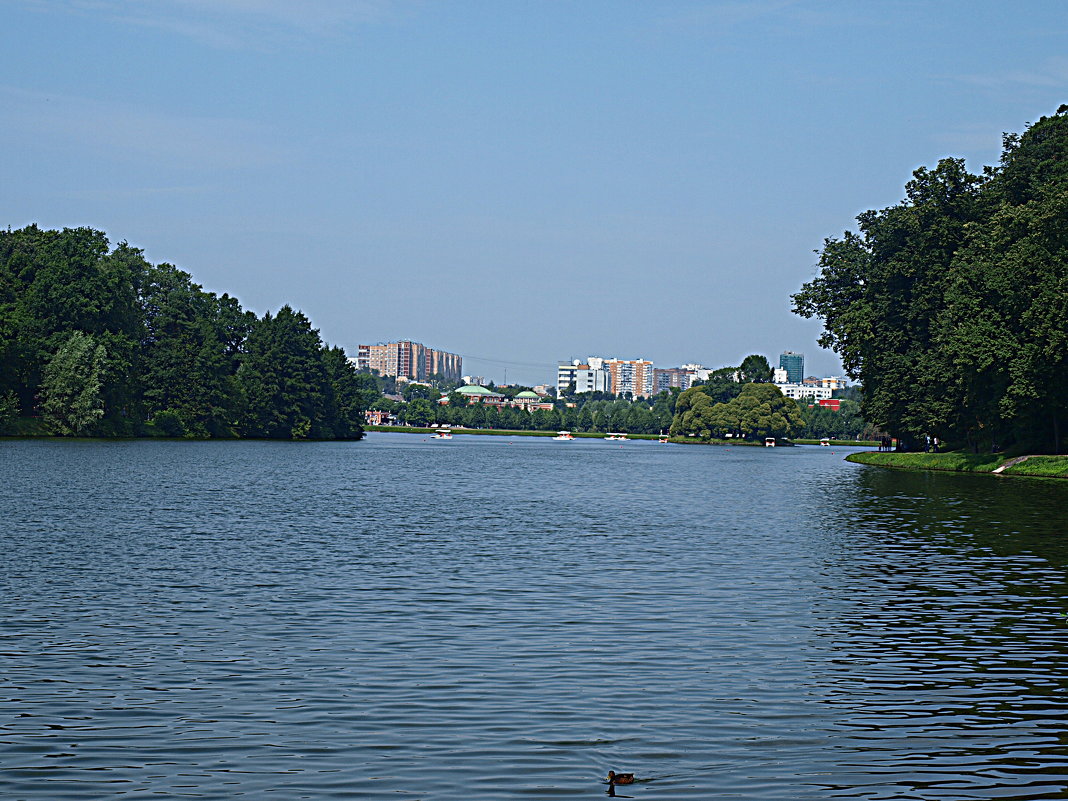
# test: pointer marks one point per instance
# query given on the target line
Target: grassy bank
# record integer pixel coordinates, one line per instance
(960, 462)
(1047, 466)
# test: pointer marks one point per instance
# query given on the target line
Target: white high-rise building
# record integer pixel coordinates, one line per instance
(588, 376)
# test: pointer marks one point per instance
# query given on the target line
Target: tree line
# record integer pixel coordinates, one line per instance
(710, 409)
(582, 412)
(96, 341)
(951, 306)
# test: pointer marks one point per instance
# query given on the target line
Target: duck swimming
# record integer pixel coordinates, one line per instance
(620, 778)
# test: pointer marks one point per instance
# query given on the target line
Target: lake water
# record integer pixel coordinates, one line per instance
(492, 618)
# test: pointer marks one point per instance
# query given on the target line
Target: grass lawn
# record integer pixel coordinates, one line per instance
(1040, 466)
(960, 462)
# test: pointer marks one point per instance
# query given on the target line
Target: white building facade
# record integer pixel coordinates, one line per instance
(588, 376)
(805, 391)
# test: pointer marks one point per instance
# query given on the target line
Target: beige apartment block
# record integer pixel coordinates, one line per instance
(411, 360)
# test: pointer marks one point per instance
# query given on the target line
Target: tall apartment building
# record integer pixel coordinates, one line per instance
(407, 359)
(448, 365)
(794, 365)
(634, 376)
(665, 378)
(588, 376)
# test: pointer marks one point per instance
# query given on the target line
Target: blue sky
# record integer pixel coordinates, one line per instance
(518, 182)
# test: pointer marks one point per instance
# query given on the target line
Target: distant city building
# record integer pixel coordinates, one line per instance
(477, 394)
(831, 382)
(779, 376)
(805, 391)
(407, 359)
(377, 417)
(794, 365)
(664, 378)
(448, 365)
(700, 373)
(585, 376)
(631, 375)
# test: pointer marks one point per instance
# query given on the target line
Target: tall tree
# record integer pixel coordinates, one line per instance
(755, 368)
(72, 401)
(880, 293)
(348, 394)
(283, 379)
(186, 369)
(950, 307)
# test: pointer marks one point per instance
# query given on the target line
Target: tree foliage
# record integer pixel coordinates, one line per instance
(94, 339)
(71, 399)
(758, 410)
(950, 307)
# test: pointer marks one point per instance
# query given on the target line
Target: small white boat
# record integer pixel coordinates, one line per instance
(769, 442)
(443, 433)
(563, 435)
(616, 436)
(663, 438)
(825, 442)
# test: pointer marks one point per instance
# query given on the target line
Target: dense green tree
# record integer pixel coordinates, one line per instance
(759, 410)
(414, 390)
(476, 416)
(348, 395)
(9, 409)
(419, 412)
(171, 351)
(186, 370)
(53, 283)
(722, 385)
(71, 389)
(284, 380)
(755, 368)
(950, 306)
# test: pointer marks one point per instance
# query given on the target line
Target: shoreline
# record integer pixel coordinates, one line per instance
(504, 432)
(1034, 466)
(498, 432)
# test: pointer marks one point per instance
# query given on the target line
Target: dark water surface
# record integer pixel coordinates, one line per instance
(487, 618)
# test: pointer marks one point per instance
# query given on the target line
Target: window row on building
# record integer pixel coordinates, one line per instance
(636, 376)
(411, 360)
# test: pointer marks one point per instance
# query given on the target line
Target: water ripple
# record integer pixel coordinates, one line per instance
(481, 619)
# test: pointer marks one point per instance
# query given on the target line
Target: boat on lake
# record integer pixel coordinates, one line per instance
(442, 433)
(563, 435)
(616, 436)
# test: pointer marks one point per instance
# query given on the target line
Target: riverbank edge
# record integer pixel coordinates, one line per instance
(1036, 466)
(505, 432)
(498, 432)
